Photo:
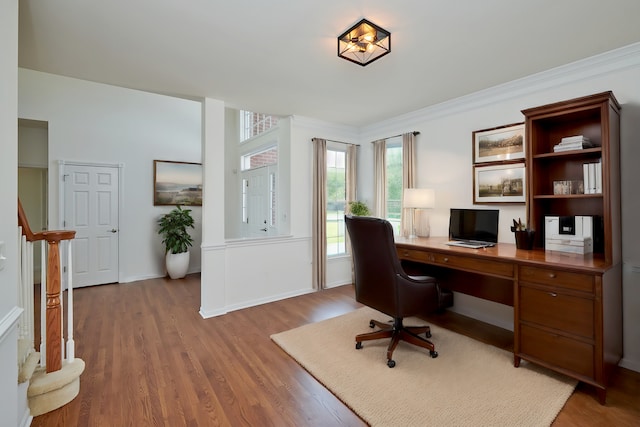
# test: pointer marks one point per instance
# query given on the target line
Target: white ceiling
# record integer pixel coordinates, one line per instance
(280, 56)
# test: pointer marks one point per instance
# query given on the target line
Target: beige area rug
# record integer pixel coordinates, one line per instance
(468, 384)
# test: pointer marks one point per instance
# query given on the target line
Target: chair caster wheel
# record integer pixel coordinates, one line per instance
(428, 334)
(391, 363)
(358, 345)
(371, 324)
(433, 354)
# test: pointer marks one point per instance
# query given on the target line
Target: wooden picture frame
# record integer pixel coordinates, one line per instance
(499, 183)
(499, 144)
(177, 183)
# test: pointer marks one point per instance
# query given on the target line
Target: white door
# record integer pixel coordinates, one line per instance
(259, 199)
(91, 209)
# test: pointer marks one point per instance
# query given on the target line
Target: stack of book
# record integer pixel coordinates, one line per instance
(573, 143)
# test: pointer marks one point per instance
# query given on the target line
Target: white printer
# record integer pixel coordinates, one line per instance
(568, 234)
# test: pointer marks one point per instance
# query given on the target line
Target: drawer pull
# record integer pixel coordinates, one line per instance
(553, 294)
(552, 275)
(446, 260)
(406, 253)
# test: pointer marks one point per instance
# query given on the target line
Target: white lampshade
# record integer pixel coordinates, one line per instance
(419, 198)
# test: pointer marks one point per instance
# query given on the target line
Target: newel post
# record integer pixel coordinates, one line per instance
(54, 309)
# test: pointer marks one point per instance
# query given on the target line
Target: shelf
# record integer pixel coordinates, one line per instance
(567, 196)
(585, 152)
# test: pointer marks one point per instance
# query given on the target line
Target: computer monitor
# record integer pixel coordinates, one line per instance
(477, 225)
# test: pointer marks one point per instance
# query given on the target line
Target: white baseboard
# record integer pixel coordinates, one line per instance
(338, 283)
(633, 365)
(26, 419)
(150, 276)
(246, 304)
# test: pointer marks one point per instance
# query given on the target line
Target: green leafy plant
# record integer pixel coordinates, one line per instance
(173, 229)
(358, 208)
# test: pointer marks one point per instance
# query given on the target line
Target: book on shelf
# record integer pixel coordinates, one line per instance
(577, 138)
(569, 143)
(598, 175)
(592, 176)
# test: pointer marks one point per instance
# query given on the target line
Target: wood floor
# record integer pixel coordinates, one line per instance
(153, 361)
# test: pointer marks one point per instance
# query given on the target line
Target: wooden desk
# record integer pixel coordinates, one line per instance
(567, 307)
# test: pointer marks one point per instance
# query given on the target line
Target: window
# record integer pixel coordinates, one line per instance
(272, 199)
(253, 124)
(245, 213)
(394, 183)
(265, 157)
(336, 201)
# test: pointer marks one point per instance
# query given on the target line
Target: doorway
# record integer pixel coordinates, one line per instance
(33, 149)
(32, 192)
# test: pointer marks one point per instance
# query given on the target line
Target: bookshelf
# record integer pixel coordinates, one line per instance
(569, 319)
(596, 117)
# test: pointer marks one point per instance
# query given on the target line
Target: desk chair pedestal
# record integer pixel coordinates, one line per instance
(397, 332)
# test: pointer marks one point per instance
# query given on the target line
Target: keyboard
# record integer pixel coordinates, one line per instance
(470, 245)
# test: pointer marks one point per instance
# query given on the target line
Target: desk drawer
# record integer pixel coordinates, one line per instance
(482, 266)
(557, 350)
(555, 310)
(564, 279)
(414, 255)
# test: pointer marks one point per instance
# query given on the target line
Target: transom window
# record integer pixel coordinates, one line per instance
(253, 124)
(265, 157)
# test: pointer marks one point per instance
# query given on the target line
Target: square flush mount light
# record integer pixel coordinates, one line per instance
(364, 43)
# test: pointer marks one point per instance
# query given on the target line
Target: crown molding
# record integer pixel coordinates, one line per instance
(588, 68)
(316, 125)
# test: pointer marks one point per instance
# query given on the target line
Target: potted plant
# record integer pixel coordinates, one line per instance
(358, 208)
(176, 239)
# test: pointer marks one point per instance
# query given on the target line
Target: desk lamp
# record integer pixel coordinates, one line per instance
(418, 198)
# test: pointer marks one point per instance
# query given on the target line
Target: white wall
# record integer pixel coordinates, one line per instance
(33, 140)
(97, 123)
(444, 152)
(12, 401)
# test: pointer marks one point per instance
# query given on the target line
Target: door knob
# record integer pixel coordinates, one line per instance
(113, 230)
(263, 229)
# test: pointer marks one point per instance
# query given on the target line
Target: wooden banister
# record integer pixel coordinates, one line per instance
(54, 309)
(24, 223)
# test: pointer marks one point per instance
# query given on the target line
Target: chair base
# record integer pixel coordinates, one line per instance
(397, 331)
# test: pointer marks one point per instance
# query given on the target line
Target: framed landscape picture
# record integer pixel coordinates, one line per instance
(504, 183)
(177, 183)
(499, 144)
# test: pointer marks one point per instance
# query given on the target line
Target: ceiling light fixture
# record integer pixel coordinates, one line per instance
(364, 43)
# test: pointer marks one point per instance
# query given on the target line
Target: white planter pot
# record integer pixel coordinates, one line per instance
(177, 264)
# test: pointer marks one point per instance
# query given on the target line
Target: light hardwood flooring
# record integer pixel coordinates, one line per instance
(151, 360)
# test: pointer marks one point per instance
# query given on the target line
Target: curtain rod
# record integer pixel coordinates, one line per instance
(339, 142)
(415, 133)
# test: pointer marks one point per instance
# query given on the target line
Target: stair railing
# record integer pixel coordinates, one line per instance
(52, 339)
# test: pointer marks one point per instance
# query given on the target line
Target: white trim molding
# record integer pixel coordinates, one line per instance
(9, 321)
